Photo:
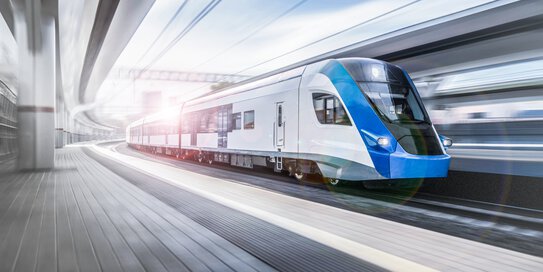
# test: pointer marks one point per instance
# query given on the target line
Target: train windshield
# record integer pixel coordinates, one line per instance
(388, 90)
(396, 103)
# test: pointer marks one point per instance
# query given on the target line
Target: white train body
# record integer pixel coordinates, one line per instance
(296, 120)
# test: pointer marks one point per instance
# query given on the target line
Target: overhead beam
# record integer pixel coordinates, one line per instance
(164, 75)
(104, 16)
(7, 12)
(127, 19)
(498, 31)
(416, 38)
(471, 28)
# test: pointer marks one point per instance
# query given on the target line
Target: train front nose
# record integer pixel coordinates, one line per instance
(405, 165)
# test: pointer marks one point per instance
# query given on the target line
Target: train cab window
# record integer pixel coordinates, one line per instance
(329, 110)
(249, 119)
(236, 120)
(340, 116)
(394, 103)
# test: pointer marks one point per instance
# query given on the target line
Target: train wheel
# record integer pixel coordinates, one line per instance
(290, 170)
(210, 161)
(299, 174)
(200, 158)
(332, 181)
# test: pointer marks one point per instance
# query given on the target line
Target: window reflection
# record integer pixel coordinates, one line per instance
(329, 110)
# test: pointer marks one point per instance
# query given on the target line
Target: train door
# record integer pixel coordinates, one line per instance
(279, 125)
(195, 121)
(180, 127)
(166, 128)
(223, 125)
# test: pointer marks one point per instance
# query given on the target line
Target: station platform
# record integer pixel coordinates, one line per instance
(99, 210)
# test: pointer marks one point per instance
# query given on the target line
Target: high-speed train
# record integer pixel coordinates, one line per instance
(350, 119)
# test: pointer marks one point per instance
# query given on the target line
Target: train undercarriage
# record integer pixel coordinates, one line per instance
(296, 168)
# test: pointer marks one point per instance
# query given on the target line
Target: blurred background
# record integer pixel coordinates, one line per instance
(477, 63)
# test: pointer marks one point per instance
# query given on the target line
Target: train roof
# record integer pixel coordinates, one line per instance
(249, 85)
(271, 78)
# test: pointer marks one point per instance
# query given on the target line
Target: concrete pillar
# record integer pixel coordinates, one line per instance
(65, 132)
(35, 35)
(59, 123)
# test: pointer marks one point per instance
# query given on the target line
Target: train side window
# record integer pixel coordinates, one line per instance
(236, 120)
(280, 116)
(208, 121)
(249, 119)
(203, 123)
(186, 120)
(329, 110)
(212, 120)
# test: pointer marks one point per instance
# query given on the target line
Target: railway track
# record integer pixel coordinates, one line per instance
(404, 196)
(507, 226)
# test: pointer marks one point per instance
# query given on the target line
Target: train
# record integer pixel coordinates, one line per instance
(351, 119)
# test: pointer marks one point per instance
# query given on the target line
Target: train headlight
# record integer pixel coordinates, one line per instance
(447, 142)
(383, 141)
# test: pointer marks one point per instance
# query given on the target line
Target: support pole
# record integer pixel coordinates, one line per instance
(35, 35)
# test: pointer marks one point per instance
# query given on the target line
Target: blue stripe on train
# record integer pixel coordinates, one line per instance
(366, 120)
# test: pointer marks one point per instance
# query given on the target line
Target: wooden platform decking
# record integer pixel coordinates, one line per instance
(82, 217)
